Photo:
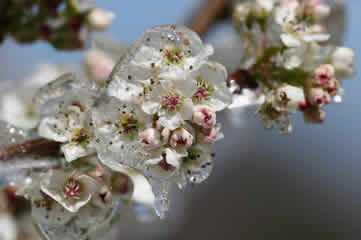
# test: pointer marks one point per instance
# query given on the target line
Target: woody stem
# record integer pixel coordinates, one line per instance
(40, 146)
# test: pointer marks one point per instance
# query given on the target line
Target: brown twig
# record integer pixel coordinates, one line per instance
(41, 146)
(4, 5)
(208, 14)
(243, 78)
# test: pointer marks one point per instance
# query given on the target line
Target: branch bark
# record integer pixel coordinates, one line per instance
(208, 15)
(4, 5)
(41, 146)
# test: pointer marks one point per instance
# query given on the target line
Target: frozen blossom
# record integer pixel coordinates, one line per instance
(164, 95)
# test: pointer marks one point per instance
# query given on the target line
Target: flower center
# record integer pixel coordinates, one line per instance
(129, 125)
(72, 190)
(174, 56)
(172, 102)
(80, 136)
(204, 92)
(207, 116)
(324, 78)
(182, 141)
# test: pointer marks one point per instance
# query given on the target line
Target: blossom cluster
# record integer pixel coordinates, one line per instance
(286, 52)
(64, 24)
(130, 136)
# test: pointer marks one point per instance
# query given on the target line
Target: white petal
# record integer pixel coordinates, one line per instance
(142, 192)
(169, 120)
(290, 41)
(54, 129)
(187, 109)
(124, 90)
(216, 74)
(188, 87)
(316, 37)
(73, 151)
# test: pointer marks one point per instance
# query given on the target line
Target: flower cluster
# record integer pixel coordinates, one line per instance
(285, 52)
(149, 125)
(64, 24)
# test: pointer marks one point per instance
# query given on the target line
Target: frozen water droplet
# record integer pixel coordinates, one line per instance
(12, 130)
(340, 96)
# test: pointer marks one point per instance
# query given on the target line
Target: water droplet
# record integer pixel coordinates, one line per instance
(340, 96)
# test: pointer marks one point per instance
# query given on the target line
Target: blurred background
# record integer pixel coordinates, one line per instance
(264, 186)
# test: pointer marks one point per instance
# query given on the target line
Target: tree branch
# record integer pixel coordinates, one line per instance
(4, 5)
(208, 14)
(41, 146)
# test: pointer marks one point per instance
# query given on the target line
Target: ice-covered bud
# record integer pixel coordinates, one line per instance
(98, 65)
(204, 116)
(266, 6)
(241, 12)
(343, 59)
(208, 135)
(287, 98)
(323, 74)
(181, 138)
(100, 19)
(318, 97)
(150, 139)
(318, 9)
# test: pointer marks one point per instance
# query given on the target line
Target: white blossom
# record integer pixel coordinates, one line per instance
(71, 127)
(100, 19)
(165, 163)
(343, 59)
(70, 190)
(287, 98)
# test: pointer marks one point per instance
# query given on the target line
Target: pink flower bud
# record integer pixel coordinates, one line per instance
(318, 97)
(333, 87)
(208, 135)
(204, 116)
(323, 74)
(150, 139)
(98, 65)
(319, 9)
(181, 138)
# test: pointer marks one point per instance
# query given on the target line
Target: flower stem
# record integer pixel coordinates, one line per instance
(40, 146)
